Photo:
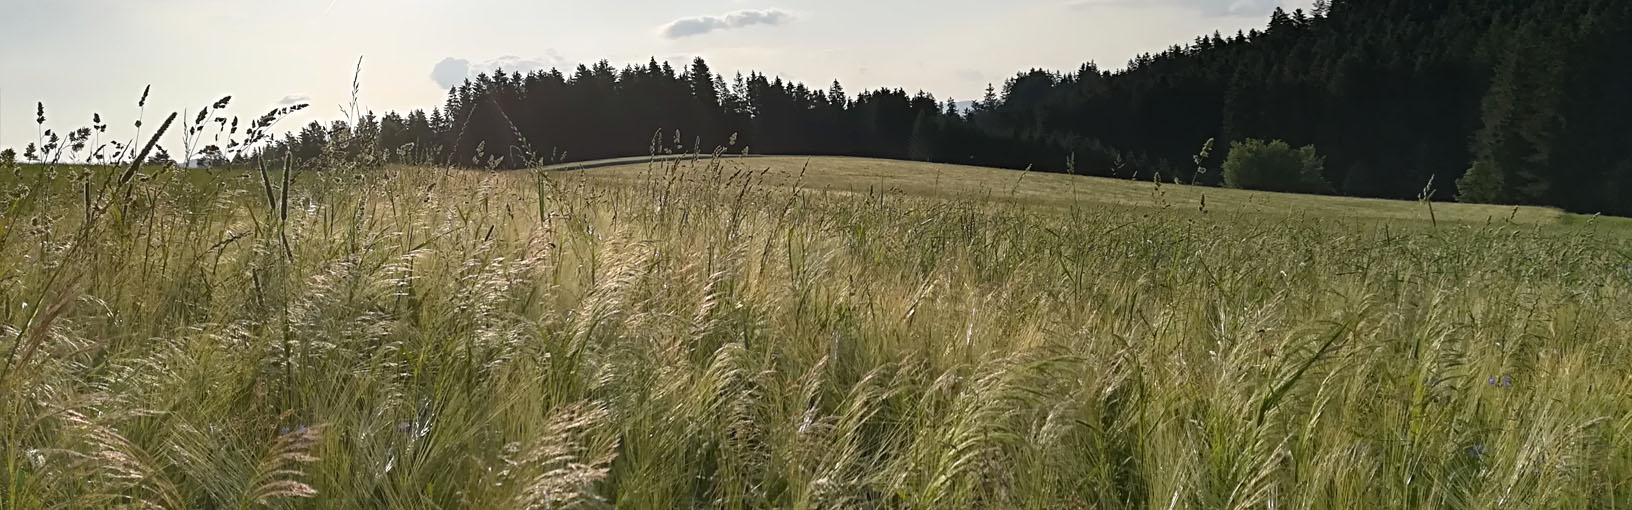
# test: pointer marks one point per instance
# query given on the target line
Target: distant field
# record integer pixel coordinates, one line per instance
(955, 181)
(707, 334)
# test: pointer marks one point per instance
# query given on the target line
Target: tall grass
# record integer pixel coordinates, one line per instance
(408, 338)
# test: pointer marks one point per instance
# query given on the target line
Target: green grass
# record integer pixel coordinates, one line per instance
(882, 335)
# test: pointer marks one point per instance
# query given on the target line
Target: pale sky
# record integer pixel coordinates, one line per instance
(85, 56)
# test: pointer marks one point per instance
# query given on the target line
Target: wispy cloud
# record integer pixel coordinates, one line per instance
(452, 71)
(687, 27)
(1207, 7)
(294, 99)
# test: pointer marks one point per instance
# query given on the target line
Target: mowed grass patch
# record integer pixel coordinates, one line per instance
(710, 336)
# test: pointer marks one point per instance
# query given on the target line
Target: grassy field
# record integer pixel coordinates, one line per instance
(764, 333)
(975, 183)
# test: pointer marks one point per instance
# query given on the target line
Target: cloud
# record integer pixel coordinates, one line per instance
(452, 71)
(687, 27)
(294, 99)
(1239, 7)
(1207, 7)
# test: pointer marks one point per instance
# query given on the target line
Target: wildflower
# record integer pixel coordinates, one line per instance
(1477, 451)
(1505, 381)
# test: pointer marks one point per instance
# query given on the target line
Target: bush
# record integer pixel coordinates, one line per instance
(1482, 185)
(1275, 166)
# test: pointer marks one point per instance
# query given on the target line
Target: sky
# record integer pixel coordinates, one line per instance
(81, 57)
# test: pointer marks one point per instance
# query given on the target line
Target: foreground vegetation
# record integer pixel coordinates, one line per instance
(758, 333)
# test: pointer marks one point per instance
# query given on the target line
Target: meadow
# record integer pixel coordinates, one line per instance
(718, 332)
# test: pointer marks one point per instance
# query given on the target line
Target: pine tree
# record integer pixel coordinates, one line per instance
(921, 145)
(1510, 149)
(836, 95)
(1279, 20)
(988, 102)
(702, 84)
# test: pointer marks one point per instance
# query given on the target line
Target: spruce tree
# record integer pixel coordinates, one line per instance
(702, 84)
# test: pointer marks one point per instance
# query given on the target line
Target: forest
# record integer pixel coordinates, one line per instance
(1489, 101)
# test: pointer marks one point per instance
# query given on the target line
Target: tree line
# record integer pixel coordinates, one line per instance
(1494, 101)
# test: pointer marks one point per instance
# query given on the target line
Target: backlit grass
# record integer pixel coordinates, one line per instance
(756, 333)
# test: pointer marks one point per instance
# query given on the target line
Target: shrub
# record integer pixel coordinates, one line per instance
(1482, 184)
(1275, 166)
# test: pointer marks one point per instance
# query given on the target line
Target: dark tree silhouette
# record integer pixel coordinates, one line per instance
(1513, 101)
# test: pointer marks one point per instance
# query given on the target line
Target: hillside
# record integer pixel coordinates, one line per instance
(1495, 101)
(933, 180)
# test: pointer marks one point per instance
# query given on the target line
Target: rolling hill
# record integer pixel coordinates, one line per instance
(862, 175)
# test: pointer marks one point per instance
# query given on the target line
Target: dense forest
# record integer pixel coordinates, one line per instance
(1497, 101)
